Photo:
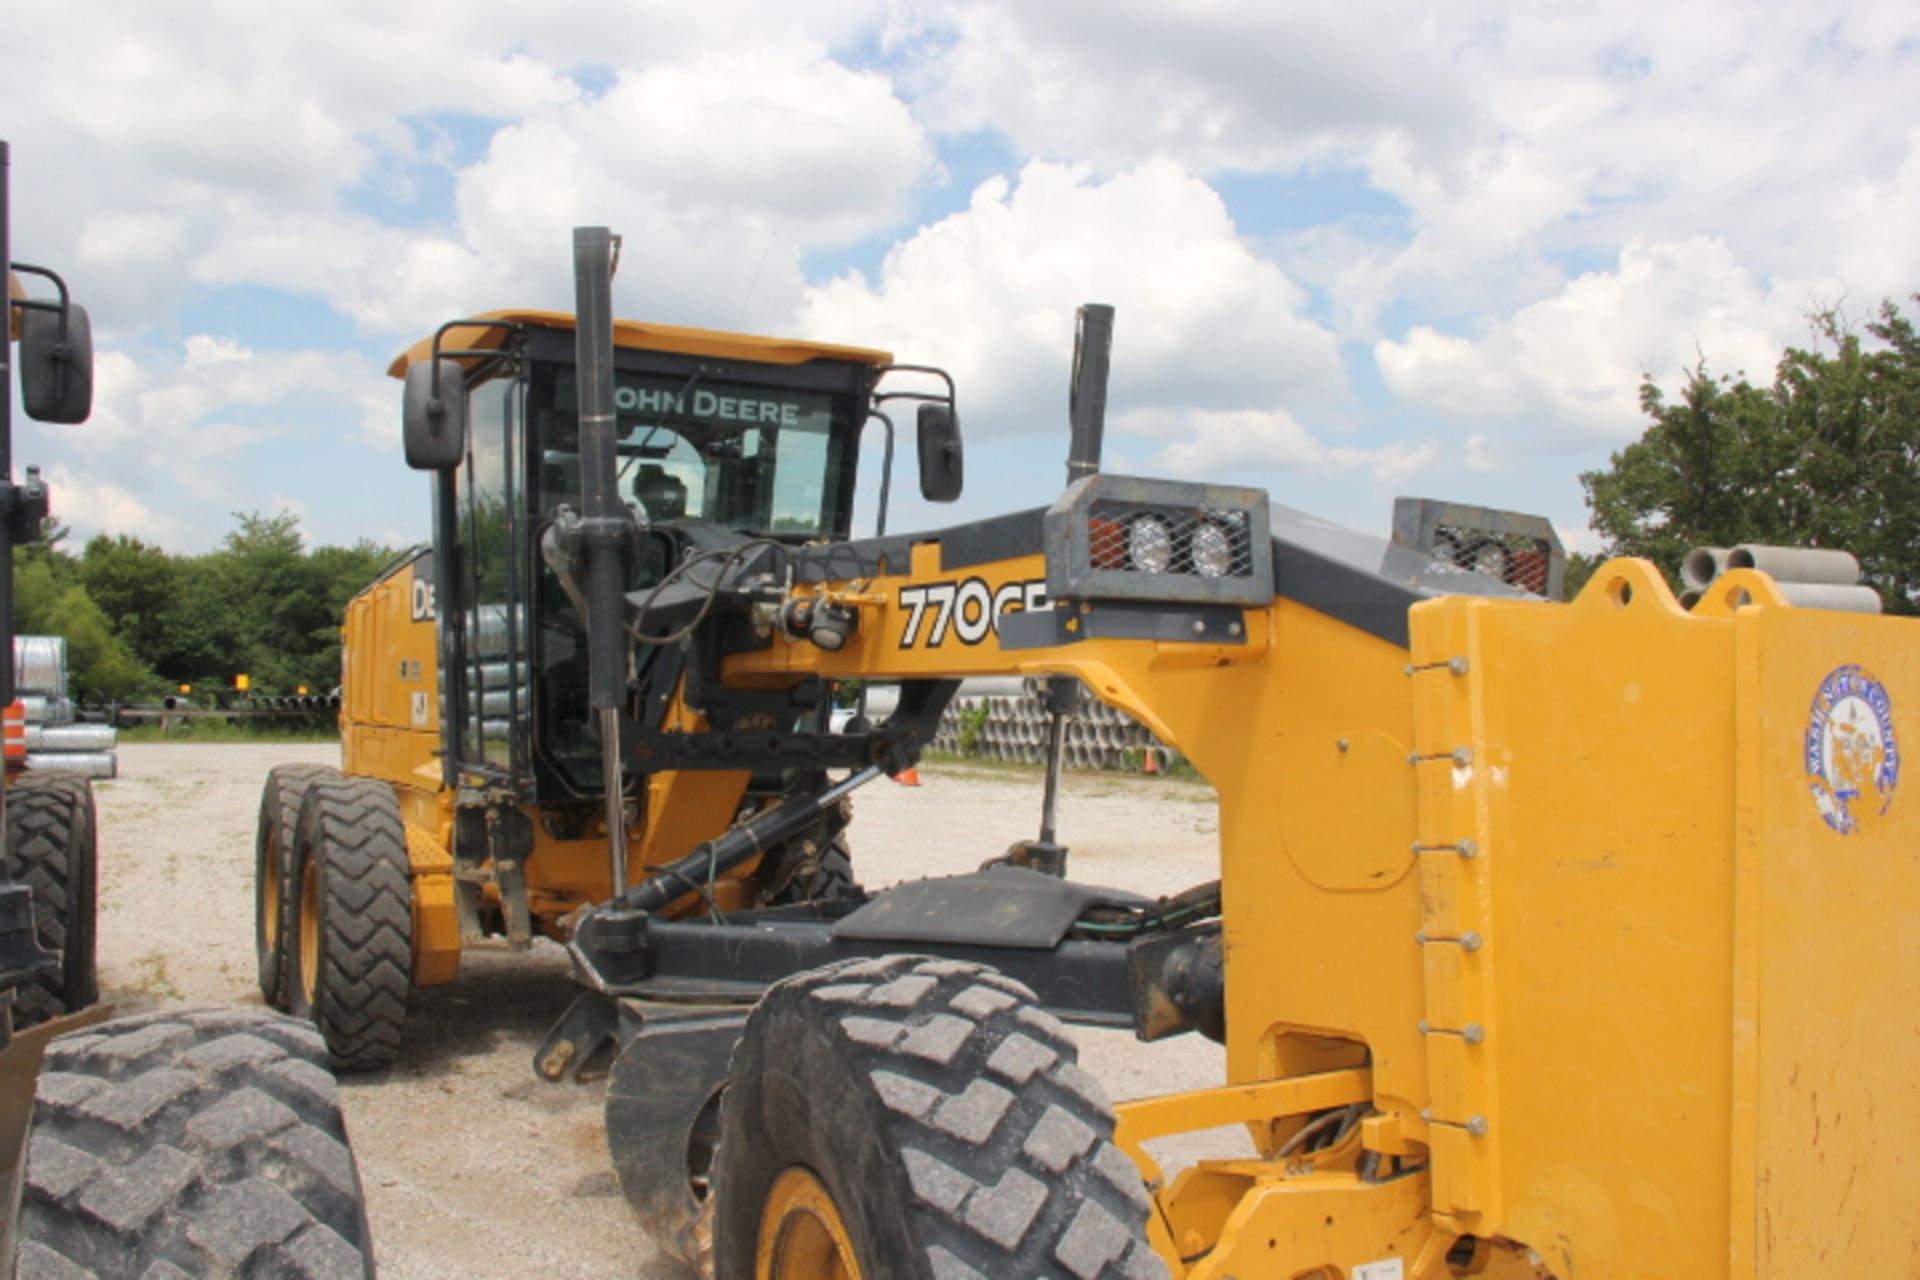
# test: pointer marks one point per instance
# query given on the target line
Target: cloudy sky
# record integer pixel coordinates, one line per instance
(1356, 250)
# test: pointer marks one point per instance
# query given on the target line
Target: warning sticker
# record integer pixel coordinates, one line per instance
(1388, 1269)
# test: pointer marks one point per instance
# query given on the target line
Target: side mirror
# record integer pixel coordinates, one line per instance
(433, 425)
(56, 370)
(941, 469)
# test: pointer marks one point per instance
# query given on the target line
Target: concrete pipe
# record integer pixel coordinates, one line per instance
(1824, 595)
(1703, 565)
(40, 665)
(87, 764)
(1797, 564)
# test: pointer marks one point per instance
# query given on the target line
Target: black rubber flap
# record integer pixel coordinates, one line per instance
(999, 907)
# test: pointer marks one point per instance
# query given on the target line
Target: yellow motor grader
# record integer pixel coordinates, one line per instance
(1549, 939)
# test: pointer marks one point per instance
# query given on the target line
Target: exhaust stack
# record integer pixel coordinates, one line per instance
(1087, 393)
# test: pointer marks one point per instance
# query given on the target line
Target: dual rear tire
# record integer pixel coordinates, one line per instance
(334, 910)
(52, 840)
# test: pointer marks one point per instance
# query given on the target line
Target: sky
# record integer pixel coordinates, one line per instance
(1356, 251)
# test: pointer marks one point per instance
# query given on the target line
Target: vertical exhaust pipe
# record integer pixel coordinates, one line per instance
(604, 525)
(1087, 415)
(1087, 392)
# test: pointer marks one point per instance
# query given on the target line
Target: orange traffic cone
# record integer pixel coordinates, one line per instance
(908, 777)
(1151, 760)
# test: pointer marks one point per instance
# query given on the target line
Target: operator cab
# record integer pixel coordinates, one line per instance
(718, 436)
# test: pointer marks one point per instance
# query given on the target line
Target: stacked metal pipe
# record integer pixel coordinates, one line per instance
(54, 741)
(1808, 577)
(1006, 719)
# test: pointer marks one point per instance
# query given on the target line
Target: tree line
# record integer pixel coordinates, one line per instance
(140, 620)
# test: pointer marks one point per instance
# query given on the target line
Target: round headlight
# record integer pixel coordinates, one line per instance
(1490, 559)
(1150, 544)
(1212, 550)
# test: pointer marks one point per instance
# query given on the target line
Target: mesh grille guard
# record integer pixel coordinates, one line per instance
(1520, 550)
(1124, 538)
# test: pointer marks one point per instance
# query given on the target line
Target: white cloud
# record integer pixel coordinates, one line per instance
(1210, 84)
(989, 294)
(176, 441)
(88, 504)
(1237, 443)
(1567, 369)
(238, 140)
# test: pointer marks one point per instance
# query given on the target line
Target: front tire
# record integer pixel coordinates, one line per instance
(350, 944)
(199, 1144)
(919, 1119)
(273, 888)
(52, 837)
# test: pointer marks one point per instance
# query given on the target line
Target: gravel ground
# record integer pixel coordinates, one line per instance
(475, 1168)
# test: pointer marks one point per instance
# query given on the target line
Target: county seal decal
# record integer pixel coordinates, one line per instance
(1853, 761)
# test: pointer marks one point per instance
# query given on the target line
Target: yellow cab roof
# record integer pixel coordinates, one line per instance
(643, 336)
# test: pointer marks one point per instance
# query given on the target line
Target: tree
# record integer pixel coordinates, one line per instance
(134, 583)
(99, 666)
(261, 604)
(1828, 456)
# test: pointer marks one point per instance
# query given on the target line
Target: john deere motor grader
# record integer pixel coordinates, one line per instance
(1550, 939)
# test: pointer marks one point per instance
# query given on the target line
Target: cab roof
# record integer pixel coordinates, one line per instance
(644, 336)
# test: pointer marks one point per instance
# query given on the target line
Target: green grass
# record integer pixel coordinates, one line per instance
(1180, 776)
(211, 729)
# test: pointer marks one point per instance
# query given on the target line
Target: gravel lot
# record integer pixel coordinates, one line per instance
(474, 1167)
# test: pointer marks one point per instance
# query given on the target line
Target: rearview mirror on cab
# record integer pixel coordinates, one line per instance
(56, 362)
(433, 421)
(941, 469)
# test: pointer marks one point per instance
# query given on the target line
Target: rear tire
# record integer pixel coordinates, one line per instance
(52, 837)
(810, 873)
(191, 1144)
(944, 1118)
(351, 941)
(273, 894)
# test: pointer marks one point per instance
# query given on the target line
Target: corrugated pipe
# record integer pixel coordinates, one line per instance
(42, 709)
(72, 737)
(40, 665)
(88, 764)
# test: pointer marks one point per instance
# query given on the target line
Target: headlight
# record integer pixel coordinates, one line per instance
(1212, 550)
(1489, 558)
(1150, 544)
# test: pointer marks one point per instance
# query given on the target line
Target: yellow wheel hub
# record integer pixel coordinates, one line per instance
(270, 895)
(309, 929)
(801, 1234)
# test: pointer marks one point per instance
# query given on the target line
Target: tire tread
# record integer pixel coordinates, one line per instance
(52, 842)
(353, 826)
(239, 1171)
